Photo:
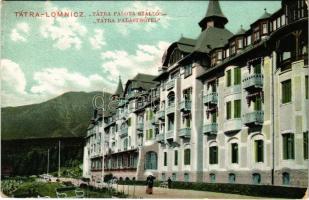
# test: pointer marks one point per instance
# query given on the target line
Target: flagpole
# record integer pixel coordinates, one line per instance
(59, 160)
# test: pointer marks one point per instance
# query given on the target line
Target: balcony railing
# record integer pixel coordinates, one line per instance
(123, 132)
(253, 80)
(210, 98)
(210, 128)
(160, 114)
(160, 137)
(170, 108)
(185, 132)
(185, 105)
(170, 134)
(170, 84)
(140, 126)
(256, 117)
(232, 125)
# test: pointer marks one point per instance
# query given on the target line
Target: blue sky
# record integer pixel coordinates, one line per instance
(45, 57)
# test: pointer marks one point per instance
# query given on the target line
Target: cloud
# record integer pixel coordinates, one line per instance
(20, 32)
(138, 6)
(55, 81)
(146, 59)
(66, 32)
(98, 40)
(48, 83)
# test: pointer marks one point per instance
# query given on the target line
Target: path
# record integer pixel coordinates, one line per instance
(165, 193)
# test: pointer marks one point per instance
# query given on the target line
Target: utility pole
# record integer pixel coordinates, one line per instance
(59, 160)
(47, 161)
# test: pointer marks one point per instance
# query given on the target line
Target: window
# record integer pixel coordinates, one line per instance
(165, 158)
(240, 43)
(228, 110)
(176, 158)
(234, 150)
(170, 124)
(228, 78)
(233, 48)
(274, 25)
(285, 178)
(237, 108)
(288, 146)
(220, 55)
(305, 145)
(256, 178)
(283, 20)
(129, 122)
(237, 76)
(265, 30)
(174, 177)
(306, 87)
(125, 144)
(187, 156)
(186, 177)
(259, 150)
(213, 155)
(188, 70)
(232, 178)
(286, 91)
(214, 117)
(256, 34)
(150, 115)
(248, 40)
(258, 103)
(212, 178)
(163, 177)
(257, 68)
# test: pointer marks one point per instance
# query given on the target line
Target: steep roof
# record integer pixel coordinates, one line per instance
(213, 12)
(211, 38)
(186, 44)
(265, 15)
(119, 90)
(241, 31)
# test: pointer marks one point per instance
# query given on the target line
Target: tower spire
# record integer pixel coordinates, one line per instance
(119, 90)
(214, 16)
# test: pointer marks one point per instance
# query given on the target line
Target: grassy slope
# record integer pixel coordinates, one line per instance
(65, 116)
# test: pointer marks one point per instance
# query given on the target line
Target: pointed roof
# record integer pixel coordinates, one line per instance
(241, 31)
(213, 11)
(119, 90)
(265, 15)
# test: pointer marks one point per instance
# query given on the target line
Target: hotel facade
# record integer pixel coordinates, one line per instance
(225, 108)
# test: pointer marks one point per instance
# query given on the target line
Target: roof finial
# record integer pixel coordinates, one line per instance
(265, 10)
(241, 26)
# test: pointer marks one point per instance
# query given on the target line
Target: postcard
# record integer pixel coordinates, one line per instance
(154, 99)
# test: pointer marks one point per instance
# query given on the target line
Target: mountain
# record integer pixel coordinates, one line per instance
(67, 115)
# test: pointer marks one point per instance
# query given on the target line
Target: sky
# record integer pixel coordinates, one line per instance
(44, 57)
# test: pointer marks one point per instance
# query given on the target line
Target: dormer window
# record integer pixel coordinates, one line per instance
(220, 55)
(264, 28)
(256, 34)
(233, 48)
(240, 43)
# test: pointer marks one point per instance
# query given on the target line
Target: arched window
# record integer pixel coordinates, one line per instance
(232, 178)
(212, 178)
(256, 178)
(187, 156)
(171, 98)
(151, 160)
(285, 178)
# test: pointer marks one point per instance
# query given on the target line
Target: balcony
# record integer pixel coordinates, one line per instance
(160, 138)
(170, 108)
(253, 81)
(185, 105)
(232, 125)
(211, 98)
(233, 89)
(185, 132)
(170, 134)
(140, 126)
(160, 114)
(210, 128)
(255, 118)
(170, 84)
(123, 132)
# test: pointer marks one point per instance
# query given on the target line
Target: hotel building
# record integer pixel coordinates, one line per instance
(225, 108)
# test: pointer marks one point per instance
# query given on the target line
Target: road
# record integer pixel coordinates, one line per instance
(165, 193)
